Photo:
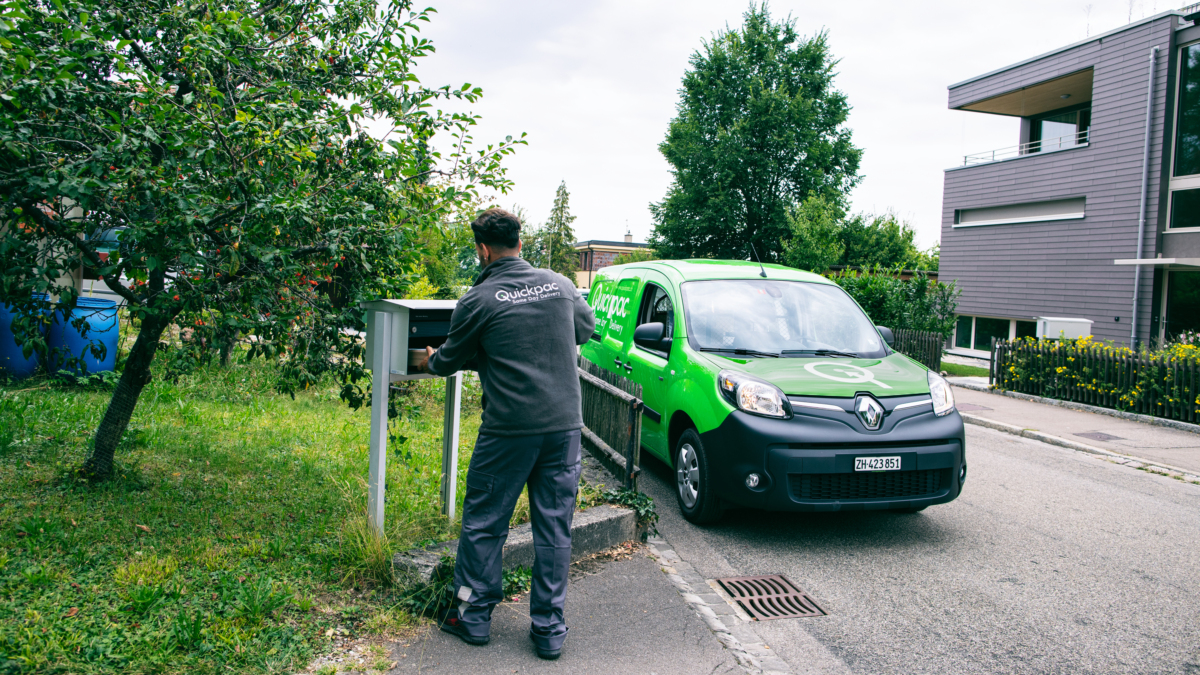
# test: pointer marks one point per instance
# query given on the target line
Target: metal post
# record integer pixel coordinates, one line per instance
(381, 381)
(1137, 269)
(450, 427)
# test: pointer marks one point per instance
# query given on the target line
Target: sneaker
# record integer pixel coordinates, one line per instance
(453, 625)
(548, 654)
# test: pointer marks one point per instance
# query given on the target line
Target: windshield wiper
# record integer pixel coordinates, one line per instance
(818, 352)
(740, 352)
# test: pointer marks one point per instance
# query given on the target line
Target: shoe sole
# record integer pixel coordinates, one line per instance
(474, 641)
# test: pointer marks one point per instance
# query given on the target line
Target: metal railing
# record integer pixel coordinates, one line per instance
(612, 418)
(1074, 140)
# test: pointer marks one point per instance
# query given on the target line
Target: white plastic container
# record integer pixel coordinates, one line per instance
(1054, 327)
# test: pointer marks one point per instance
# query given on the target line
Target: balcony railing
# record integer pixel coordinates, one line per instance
(1075, 140)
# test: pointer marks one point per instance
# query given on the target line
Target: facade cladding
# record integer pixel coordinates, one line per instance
(1036, 232)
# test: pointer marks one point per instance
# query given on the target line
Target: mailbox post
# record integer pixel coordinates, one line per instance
(398, 331)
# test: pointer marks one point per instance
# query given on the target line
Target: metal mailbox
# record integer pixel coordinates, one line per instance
(398, 331)
(415, 325)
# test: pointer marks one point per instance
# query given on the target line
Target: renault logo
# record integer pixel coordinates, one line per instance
(869, 411)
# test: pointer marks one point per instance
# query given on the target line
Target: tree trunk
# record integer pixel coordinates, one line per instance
(125, 398)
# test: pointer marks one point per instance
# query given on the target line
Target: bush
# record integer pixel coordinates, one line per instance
(917, 304)
(1159, 382)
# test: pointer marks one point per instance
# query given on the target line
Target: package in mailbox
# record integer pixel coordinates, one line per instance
(415, 325)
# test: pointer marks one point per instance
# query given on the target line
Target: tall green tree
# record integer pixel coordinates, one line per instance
(552, 245)
(881, 240)
(816, 241)
(227, 142)
(760, 127)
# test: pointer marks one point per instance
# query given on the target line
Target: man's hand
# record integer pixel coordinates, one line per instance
(424, 364)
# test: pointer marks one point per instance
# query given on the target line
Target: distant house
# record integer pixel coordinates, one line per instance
(1109, 135)
(595, 255)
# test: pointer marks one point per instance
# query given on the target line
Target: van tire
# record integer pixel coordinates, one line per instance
(693, 481)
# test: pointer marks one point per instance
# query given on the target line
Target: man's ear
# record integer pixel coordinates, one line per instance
(519, 244)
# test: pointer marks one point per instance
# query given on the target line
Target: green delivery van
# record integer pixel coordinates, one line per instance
(768, 387)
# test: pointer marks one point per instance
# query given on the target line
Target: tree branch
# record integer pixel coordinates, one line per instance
(92, 257)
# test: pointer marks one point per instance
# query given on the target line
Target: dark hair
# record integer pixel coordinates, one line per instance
(497, 227)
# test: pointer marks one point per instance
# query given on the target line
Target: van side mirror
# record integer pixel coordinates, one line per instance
(650, 336)
(887, 335)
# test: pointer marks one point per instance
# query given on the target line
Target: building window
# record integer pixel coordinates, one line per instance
(1026, 329)
(1185, 209)
(962, 332)
(1183, 303)
(1028, 212)
(1060, 131)
(1187, 135)
(986, 329)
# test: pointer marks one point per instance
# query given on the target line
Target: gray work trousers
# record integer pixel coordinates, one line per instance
(500, 467)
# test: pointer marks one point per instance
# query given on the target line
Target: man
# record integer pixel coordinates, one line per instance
(519, 326)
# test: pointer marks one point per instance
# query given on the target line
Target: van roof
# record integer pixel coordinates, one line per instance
(697, 269)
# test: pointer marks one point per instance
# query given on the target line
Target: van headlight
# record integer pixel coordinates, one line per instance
(753, 395)
(939, 391)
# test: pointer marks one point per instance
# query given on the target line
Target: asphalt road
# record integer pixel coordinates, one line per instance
(1050, 562)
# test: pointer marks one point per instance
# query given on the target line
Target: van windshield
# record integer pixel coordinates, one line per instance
(777, 318)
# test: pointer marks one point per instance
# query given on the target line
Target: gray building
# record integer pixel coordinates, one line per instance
(1110, 127)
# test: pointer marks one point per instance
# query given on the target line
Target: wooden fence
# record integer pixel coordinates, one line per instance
(1158, 385)
(612, 418)
(920, 345)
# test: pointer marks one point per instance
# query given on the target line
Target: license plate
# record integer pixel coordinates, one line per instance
(876, 463)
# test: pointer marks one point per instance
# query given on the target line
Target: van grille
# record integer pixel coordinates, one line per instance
(810, 487)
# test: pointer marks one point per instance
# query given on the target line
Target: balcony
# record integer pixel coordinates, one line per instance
(1069, 142)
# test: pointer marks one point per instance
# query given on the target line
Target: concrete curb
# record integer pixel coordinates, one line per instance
(736, 635)
(594, 530)
(1083, 407)
(1127, 460)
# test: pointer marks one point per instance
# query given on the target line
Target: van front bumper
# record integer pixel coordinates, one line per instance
(807, 463)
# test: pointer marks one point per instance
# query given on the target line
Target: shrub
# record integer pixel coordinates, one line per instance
(919, 303)
(1159, 382)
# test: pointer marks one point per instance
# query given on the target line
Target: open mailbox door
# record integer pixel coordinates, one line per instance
(414, 325)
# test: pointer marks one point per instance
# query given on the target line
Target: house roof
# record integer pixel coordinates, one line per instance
(1094, 38)
(613, 244)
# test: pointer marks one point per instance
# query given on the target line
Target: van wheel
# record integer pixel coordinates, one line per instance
(693, 485)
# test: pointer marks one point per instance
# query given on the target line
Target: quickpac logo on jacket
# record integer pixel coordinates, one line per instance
(529, 293)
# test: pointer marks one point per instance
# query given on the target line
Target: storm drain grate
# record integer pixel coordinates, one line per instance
(770, 597)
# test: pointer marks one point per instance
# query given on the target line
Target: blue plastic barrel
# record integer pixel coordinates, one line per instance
(12, 359)
(65, 342)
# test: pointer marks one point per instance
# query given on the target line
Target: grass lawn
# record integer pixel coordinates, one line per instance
(234, 538)
(957, 370)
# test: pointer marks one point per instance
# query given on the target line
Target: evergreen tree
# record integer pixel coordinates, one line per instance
(553, 243)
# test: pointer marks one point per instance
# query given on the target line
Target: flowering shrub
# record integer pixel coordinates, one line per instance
(1163, 382)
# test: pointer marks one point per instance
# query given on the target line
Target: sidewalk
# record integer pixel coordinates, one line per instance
(1171, 447)
(625, 617)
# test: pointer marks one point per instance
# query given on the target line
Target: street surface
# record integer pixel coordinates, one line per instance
(1052, 561)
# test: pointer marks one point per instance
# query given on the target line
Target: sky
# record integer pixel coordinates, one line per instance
(595, 84)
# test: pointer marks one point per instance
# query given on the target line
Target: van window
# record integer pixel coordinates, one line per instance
(777, 318)
(657, 307)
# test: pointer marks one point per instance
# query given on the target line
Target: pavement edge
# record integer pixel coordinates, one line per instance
(746, 647)
(1082, 407)
(593, 530)
(1126, 460)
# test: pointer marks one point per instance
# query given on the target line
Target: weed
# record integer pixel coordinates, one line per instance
(304, 603)
(38, 575)
(254, 601)
(151, 571)
(386, 621)
(640, 502)
(275, 549)
(327, 669)
(517, 580)
(436, 597)
(588, 495)
(36, 527)
(188, 630)
(144, 599)
(365, 553)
